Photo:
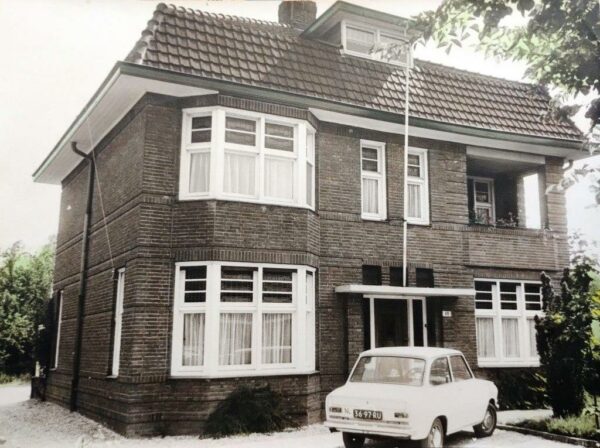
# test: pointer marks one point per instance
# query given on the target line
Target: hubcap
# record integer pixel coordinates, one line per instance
(435, 437)
(488, 421)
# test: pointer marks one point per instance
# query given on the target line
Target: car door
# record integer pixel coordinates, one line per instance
(469, 401)
(445, 396)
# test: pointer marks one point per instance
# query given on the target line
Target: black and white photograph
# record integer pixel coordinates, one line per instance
(299, 223)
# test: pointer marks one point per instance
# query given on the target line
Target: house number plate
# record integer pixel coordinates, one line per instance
(368, 415)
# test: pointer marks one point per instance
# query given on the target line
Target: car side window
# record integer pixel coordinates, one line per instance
(460, 370)
(440, 372)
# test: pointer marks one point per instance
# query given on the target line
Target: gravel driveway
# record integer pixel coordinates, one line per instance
(29, 424)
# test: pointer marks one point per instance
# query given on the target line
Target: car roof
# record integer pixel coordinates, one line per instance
(416, 352)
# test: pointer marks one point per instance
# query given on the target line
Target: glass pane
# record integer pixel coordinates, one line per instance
(533, 288)
(199, 172)
(510, 337)
(389, 370)
(201, 122)
(201, 136)
(240, 124)
(235, 339)
(414, 201)
(369, 165)
(419, 340)
(237, 284)
(414, 171)
(460, 371)
(309, 184)
(484, 286)
(482, 193)
(277, 285)
(508, 287)
(440, 372)
(359, 40)
(486, 345)
(369, 153)
(280, 144)
(277, 339)
(370, 196)
(240, 131)
(240, 138)
(195, 285)
(194, 297)
(532, 338)
(195, 272)
(279, 130)
(240, 171)
(279, 178)
(193, 340)
(414, 159)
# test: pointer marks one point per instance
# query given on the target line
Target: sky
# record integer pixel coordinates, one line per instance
(56, 53)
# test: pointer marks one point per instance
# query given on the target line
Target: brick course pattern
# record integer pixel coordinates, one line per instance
(150, 230)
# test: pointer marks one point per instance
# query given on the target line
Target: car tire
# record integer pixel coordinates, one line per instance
(488, 425)
(436, 436)
(353, 440)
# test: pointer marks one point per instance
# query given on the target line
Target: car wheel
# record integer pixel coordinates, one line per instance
(353, 440)
(488, 425)
(435, 439)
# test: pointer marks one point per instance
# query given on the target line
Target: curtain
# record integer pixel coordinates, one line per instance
(414, 200)
(532, 341)
(193, 339)
(370, 196)
(240, 174)
(510, 337)
(199, 172)
(279, 178)
(486, 347)
(277, 339)
(235, 339)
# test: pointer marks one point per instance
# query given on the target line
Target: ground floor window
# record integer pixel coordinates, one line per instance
(240, 318)
(504, 322)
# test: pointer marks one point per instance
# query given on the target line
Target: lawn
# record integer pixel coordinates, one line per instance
(583, 426)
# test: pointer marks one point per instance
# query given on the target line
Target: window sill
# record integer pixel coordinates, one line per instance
(418, 223)
(112, 377)
(373, 218)
(186, 198)
(240, 374)
(507, 364)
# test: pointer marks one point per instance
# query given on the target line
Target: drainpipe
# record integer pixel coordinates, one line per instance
(405, 187)
(82, 278)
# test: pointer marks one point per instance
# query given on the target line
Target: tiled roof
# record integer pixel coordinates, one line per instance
(271, 55)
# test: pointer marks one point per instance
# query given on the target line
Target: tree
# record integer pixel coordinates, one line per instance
(25, 286)
(559, 40)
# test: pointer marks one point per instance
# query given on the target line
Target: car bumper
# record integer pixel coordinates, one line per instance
(368, 428)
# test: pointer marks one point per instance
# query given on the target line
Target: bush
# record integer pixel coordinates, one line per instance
(520, 389)
(17, 379)
(247, 410)
(582, 426)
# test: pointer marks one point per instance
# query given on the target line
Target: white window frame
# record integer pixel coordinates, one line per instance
(423, 181)
(58, 329)
(302, 309)
(492, 195)
(378, 32)
(497, 314)
(379, 176)
(118, 323)
(217, 148)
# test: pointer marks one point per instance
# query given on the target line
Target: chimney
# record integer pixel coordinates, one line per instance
(297, 13)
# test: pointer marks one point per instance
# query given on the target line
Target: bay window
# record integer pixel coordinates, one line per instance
(243, 319)
(504, 322)
(246, 156)
(417, 186)
(372, 165)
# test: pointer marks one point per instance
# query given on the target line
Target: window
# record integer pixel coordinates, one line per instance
(58, 320)
(417, 186)
(245, 156)
(440, 372)
(460, 369)
(118, 322)
(389, 370)
(372, 160)
(370, 42)
(505, 327)
(481, 190)
(239, 318)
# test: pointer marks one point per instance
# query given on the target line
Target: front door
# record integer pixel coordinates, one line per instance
(398, 322)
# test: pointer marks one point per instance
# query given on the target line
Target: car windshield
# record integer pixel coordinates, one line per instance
(389, 370)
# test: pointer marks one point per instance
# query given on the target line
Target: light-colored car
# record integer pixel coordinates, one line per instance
(412, 393)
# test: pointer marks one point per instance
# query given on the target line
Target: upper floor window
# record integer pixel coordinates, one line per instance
(417, 185)
(374, 43)
(505, 326)
(246, 156)
(241, 318)
(372, 162)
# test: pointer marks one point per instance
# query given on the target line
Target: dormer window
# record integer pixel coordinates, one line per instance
(374, 43)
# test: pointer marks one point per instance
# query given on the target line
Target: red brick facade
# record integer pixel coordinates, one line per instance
(150, 230)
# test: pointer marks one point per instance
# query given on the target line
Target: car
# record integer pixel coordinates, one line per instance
(411, 393)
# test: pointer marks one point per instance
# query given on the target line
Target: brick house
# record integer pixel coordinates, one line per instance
(233, 212)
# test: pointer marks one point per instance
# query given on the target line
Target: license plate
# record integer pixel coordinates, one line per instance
(364, 414)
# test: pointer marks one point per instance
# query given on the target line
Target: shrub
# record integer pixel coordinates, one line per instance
(581, 426)
(520, 388)
(247, 410)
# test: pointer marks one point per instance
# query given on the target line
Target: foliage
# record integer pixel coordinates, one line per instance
(559, 40)
(25, 284)
(16, 379)
(520, 389)
(563, 337)
(580, 426)
(247, 410)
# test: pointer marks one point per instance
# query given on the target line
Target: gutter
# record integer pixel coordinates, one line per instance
(82, 277)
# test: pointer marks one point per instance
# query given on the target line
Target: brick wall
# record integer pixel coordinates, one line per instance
(150, 230)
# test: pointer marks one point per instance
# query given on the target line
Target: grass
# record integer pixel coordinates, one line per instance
(13, 379)
(583, 426)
